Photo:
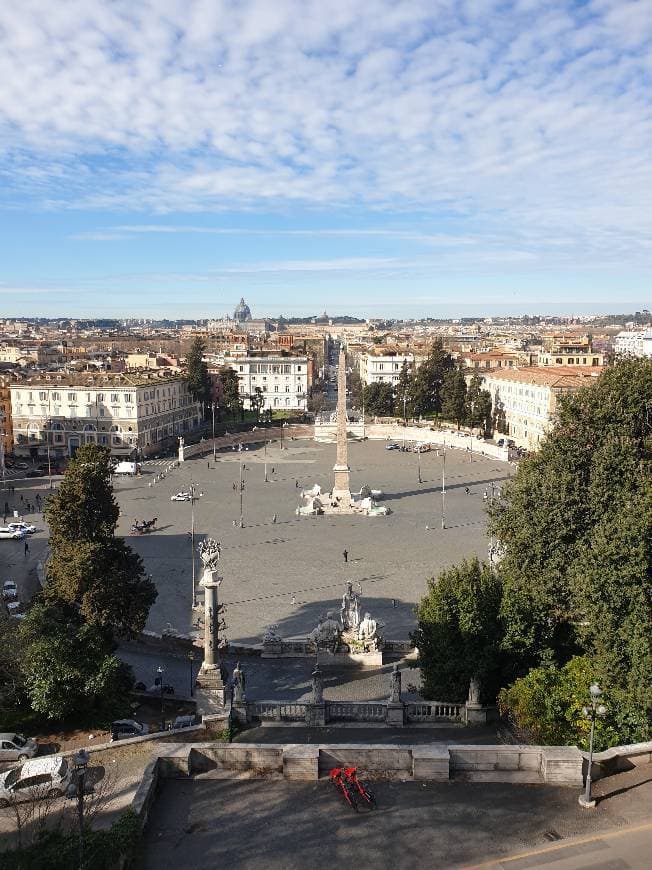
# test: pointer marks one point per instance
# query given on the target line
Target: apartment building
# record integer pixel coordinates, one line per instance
(634, 343)
(383, 367)
(283, 380)
(134, 415)
(525, 400)
(560, 351)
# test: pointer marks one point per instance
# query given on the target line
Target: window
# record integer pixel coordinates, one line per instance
(287, 388)
(42, 396)
(56, 397)
(100, 397)
(72, 397)
(129, 399)
(276, 389)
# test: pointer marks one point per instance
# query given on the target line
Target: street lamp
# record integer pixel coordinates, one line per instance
(265, 451)
(443, 489)
(160, 670)
(241, 488)
(191, 662)
(193, 498)
(213, 407)
(419, 463)
(593, 712)
(80, 760)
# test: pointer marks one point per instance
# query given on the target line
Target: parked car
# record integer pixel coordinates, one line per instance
(9, 590)
(181, 496)
(39, 778)
(13, 607)
(184, 722)
(15, 534)
(35, 472)
(22, 527)
(15, 747)
(392, 447)
(22, 465)
(122, 729)
(500, 442)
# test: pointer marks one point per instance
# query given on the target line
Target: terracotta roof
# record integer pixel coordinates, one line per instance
(547, 376)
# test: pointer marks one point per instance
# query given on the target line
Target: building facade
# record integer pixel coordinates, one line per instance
(383, 368)
(282, 380)
(524, 401)
(634, 343)
(135, 415)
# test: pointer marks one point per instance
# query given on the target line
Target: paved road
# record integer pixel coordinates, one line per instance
(289, 571)
(207, 823)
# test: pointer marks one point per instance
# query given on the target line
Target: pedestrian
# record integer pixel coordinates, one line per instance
(274, 518)
(346, 555)
(467, 490)
(26, 548)
(208, 464)
(485, 495)
(4, 519)
(234, 486)
(6, 507)
(272, 469)
(21, 497)
(296, 484)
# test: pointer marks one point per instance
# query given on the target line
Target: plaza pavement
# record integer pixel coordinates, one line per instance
(253, 824)
(290, 571)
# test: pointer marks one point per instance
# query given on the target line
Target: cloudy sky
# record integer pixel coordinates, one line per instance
(425, 157)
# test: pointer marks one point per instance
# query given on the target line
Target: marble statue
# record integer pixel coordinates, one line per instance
(474, 691)
(350, 609)
(395, 685)
(368, 631)
(327, 633)
(271, 635)
(317, 686)
(238, 685)
(209, 553)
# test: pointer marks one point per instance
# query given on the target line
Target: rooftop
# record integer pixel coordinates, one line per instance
(100, 379)
(548, 376)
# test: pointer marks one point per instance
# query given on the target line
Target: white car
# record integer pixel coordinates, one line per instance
(13, 607)
(181, 496)
(15, 747)
(22, 527)
(9, 589)
(14, 534)
(39, 778)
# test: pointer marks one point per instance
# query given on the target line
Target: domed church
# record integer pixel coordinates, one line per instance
(242, 312)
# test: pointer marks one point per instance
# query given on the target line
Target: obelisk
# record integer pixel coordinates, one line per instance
(341, 491)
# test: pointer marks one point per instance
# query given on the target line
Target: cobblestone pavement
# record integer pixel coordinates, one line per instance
(289, 571)
(255, 825)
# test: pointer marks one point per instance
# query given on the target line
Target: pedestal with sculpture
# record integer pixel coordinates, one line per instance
(395, 706)
(211, 689)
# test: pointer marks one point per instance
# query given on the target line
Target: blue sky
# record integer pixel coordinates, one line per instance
(424, 157)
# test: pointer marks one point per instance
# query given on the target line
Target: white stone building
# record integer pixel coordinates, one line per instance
(526, 399)
(135, 415)
(283, 380)
(383, 368)
(634, 343)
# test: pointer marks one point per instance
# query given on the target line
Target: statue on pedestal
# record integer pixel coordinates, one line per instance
(210, 552)
(238, 685)
(474, 692)
(350, 609)
(369, 633)
(327, 633)
(395, 685)
(317, 686)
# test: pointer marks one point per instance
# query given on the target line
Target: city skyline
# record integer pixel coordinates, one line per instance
(466, 158)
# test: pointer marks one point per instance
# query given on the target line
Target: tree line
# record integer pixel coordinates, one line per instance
(570, 601)
(437, 388)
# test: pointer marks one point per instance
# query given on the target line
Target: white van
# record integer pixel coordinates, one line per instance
(36, 779)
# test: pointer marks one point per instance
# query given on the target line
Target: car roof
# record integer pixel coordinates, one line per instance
(48, 764)
(8, 735)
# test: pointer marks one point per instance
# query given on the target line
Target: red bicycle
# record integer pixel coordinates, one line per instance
(351, 777)
(338, 778)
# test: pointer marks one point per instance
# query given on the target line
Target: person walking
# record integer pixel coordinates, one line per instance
(346, 555)
(467, 490)
(26, 548)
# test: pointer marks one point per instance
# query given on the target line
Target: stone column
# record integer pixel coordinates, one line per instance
(210, 677)
(341, 487)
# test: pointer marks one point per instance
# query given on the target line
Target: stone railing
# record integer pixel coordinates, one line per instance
(355, 711)
(277, 711)
(434, 711)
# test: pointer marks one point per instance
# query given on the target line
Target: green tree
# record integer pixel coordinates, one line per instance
(459, 633)
(88, 566)
(404, 392)
(429, 378)
(231, 391)
(576, 528)
(545, 707)
(11, 670)
(379, 399)
(257, 400)
(453, 396)
(68, 665)
(354, 386)
(199, 380)
(478, 411)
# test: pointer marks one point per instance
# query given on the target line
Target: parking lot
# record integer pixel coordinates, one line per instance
(284, 570)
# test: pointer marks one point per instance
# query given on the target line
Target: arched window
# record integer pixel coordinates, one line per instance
(116, 436)
(90, 434)
(33, 432)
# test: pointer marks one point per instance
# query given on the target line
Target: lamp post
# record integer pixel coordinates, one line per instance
(160, 670)
(80, 760)
(593, 712)
(193, 498)
(191, 662)
(213, 407)
(265, 452)
(443, 489)
(241, 488)
(419, 463)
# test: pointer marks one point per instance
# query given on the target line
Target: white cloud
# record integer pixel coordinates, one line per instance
(529, 116)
